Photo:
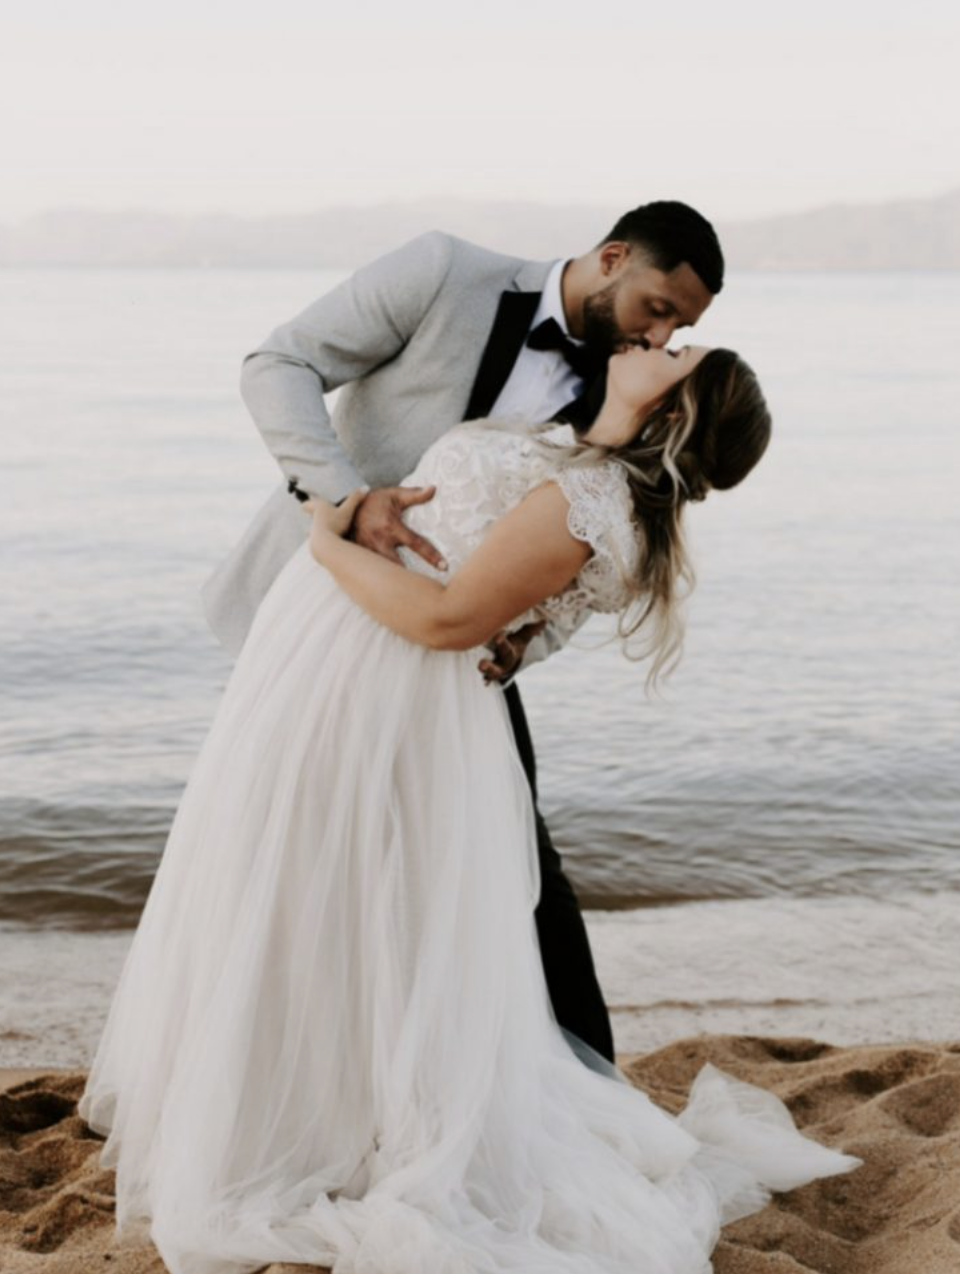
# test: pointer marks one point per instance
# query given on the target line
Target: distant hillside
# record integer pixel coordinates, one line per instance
(916, 234)
(911, 234)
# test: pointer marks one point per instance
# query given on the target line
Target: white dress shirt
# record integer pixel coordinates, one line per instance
(542, 381)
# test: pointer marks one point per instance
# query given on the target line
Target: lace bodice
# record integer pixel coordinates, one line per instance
(481, 472)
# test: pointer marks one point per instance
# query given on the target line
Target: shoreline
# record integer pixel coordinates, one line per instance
(896, 1105)
(849, 970)
(11, 1076)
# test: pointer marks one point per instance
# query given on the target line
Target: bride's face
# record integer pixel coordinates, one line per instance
(636, 380)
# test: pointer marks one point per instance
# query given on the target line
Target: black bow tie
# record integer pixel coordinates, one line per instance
(583, 360)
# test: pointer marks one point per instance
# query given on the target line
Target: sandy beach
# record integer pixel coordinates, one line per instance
(896, 1106)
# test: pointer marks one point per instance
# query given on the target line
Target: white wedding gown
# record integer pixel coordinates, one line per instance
(332, 1041)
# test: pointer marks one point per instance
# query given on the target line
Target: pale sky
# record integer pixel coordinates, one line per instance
(738, 106)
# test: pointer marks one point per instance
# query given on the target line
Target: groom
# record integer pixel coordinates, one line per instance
(437, 332)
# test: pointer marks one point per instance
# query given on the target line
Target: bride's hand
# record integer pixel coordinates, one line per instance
(333, 519)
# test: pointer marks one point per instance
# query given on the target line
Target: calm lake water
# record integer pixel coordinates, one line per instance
(806, 749)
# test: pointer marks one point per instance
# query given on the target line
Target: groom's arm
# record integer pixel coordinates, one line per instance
(362, 323)
(553, 638)
(511, 654)
(527, 555)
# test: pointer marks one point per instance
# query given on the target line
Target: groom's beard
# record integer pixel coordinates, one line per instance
(601, 332)
(602, 337)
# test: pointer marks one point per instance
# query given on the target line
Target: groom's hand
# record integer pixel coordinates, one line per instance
(378, 524)
(508, 652)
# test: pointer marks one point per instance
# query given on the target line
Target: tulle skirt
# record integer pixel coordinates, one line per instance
(332, 1041)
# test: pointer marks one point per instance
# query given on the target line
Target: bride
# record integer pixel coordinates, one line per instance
(332, 1042)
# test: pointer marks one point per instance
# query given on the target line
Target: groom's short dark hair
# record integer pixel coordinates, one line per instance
(671, 233)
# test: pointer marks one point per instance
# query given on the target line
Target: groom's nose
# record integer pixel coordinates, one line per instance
(658, 334)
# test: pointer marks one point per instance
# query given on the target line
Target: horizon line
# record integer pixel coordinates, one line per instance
(467, 200)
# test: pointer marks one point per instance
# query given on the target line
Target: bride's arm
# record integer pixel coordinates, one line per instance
(527, 556)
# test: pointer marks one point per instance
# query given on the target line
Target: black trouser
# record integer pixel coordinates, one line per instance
(564, 947)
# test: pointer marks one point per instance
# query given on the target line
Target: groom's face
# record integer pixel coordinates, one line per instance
(639, 304)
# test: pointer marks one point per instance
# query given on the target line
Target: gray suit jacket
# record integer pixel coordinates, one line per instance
(404, 336)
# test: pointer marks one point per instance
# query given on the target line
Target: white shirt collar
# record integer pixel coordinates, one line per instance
(551, 301)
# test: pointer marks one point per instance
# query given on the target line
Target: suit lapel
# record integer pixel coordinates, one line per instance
(510, 327)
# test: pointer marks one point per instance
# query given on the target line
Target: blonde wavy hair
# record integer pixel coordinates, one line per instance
(706, 433)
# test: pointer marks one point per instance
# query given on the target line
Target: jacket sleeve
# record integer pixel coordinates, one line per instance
(553, 638)
(355, 328)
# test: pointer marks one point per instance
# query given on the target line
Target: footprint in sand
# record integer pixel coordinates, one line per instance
(930, 1106)
(795, 1049)
(38, 1103)
(828, 1096)
(48, 1227)
(49, 1175)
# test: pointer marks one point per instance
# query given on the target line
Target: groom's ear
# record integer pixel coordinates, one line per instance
(613, 257)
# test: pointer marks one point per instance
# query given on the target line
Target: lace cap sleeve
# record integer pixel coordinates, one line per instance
(601, 514)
